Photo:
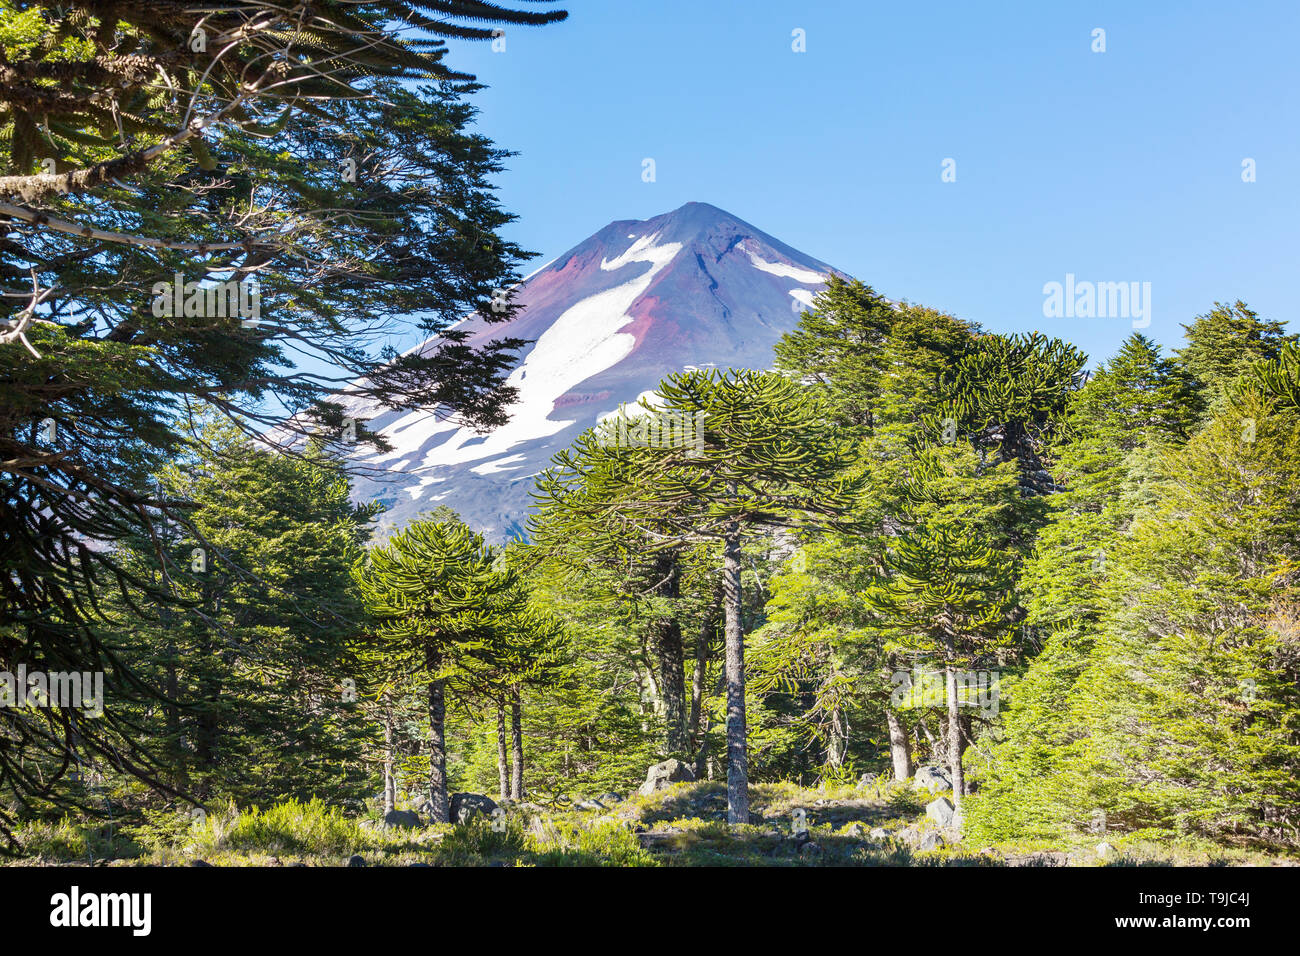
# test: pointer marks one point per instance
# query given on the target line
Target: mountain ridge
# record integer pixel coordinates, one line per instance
(607, 319)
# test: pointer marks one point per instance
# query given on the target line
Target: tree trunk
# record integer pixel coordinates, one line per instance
(171, 687)
(517, 745)
(503, 767)
(837, 740)
(900, 746)
(668, 649)
(648, 696)
(703, 639)
(954, 738)
(699, 723)
(672, 683)
(207, 726)
(390, 782)
(737, 756)
(439, 810)
(697, 691)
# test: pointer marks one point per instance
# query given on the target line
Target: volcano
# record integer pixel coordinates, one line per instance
(607, 321)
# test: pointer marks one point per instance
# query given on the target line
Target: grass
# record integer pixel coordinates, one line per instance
(683, 825)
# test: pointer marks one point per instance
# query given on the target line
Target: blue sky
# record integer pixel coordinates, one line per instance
(1122, 166)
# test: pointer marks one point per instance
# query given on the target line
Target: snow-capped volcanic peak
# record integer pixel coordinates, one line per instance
(608, 320)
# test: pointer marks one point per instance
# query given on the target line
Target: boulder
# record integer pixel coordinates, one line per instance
(879, 833)
(941, 811)
(663, 775)
(585, 804)
(356, 861)
(929, 841)
(465, 805)
(1105, 850)
(609, 798)
(405, 819)
(934, 779)
(867, 780)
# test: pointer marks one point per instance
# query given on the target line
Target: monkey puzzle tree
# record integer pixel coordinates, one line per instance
(947, 593)
(436, 603)
(1009, 393)
(768, 456)
(640, 586)
(945, 588)
(531, 651)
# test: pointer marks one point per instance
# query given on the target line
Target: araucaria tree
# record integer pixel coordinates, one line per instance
(947, 594)
(767, 456)
(439, 611)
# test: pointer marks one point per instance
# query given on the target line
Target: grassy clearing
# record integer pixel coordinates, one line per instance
(681, 826)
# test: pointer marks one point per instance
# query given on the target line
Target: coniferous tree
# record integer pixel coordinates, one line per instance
(880, 364)
(643, 587)
(252, 649)
(1134, 406)
(436, 603)
(945, 592)
(361, 205)
(1182, 715)
(1223, 345)
(770, 458)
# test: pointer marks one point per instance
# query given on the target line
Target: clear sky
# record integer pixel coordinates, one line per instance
(1115, 166)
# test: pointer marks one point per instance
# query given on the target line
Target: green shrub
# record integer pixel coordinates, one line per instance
(565, 843)
(287, 826)
(72, 841)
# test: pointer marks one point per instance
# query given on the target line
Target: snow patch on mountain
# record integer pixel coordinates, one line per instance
(783, 269)
(695, 288)
(586, 339)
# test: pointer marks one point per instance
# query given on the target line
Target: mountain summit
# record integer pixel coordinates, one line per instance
(608, 320)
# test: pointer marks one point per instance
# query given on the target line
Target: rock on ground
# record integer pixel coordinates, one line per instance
(930, 841)
(405, 819)
(933, 779)
(941, 811)
(664, 775)
(465, 805)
